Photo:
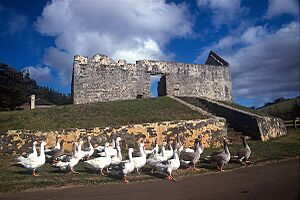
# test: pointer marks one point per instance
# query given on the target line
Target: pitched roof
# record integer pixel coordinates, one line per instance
(214, 59)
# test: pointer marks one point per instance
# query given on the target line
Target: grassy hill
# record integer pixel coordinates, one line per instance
(289, 109)
(100, 114)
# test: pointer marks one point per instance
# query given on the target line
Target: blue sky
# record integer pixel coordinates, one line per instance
(259, 38)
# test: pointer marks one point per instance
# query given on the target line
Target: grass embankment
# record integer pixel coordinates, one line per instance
(289, 109)
(15, 178)
(250, 110)
(100, 114)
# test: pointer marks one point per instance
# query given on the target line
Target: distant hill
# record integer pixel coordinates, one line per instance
(288, 109)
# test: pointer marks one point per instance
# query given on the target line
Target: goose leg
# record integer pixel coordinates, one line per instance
(248, 162)
(72, 170)
(152, 171)
(125, 180)
(221, 168)
(33, 173)
(107, 170)
(137, 170)
(101, 171)
(171, 178)
(195, 168)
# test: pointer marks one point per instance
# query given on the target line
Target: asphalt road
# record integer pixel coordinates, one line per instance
(278, 180)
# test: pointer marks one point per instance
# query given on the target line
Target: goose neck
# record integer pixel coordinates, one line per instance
(226, 149)
(163, 150)
(130, 155)
(42, 152)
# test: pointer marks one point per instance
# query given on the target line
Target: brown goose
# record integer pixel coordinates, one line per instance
(244, 153)
(191, 158)
(60, 152)
(221, 157)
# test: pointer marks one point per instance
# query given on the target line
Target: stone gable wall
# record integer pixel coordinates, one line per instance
(101, 79)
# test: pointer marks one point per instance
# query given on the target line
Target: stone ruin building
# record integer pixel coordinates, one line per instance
(101, 79)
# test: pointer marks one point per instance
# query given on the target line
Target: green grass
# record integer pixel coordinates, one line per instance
(15, 178)
(237, 106)
(289, 109)
(101, 114)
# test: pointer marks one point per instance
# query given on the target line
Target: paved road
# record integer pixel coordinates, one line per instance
(278, 180)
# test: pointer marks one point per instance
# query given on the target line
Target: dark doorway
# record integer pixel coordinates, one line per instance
(158, 85)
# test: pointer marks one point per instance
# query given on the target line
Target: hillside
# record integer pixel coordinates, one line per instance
(100, 114)
(289, 109)
(16, 87)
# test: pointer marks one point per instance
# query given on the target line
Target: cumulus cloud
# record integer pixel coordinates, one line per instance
(130, 30)
(264, 64)
(279, 7)
(223, 11)
(39, 73)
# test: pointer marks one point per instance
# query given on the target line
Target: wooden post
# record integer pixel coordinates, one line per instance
(32, 102)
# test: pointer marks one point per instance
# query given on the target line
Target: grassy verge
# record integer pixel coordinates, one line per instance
(288, 109)
(15, 178)
(100, 114)
(237, 106)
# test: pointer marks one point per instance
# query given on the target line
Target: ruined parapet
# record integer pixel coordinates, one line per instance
(102, 60)
(101, 79)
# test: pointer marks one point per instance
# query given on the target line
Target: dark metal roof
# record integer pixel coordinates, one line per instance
(43, 102)
(214, 59)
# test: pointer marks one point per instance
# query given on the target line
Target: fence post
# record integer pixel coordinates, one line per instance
(295, 123)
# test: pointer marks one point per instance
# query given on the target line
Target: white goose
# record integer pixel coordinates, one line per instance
(115, 160)
(192, 150)
(111, 149)
(127, 166)
(79, 151)
(153, 150)
(140, 161)
(157, 158)
(70, 162)
(87, 152)
(169, 166)
(101, 162)
(169, 153)
(32, 155)
(35, 162)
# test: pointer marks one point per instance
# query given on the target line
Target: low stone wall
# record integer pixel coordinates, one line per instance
(212, 129)
(258, 127)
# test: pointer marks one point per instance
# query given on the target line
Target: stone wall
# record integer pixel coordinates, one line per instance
(101, 79)
(258, 127)
(212, 129)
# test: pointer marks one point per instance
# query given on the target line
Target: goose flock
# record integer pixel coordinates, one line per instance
(170, 156)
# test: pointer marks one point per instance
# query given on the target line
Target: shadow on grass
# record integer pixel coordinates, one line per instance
(155, 174)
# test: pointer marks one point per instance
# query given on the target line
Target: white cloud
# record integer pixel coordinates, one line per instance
(264, 64)
(223, 11)
(279, 7)
(39, 73)
(130, 30)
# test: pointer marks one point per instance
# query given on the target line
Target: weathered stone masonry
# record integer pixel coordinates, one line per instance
(212, 130)
(101, 79)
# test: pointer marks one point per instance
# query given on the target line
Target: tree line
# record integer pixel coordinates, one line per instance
(17, 86)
